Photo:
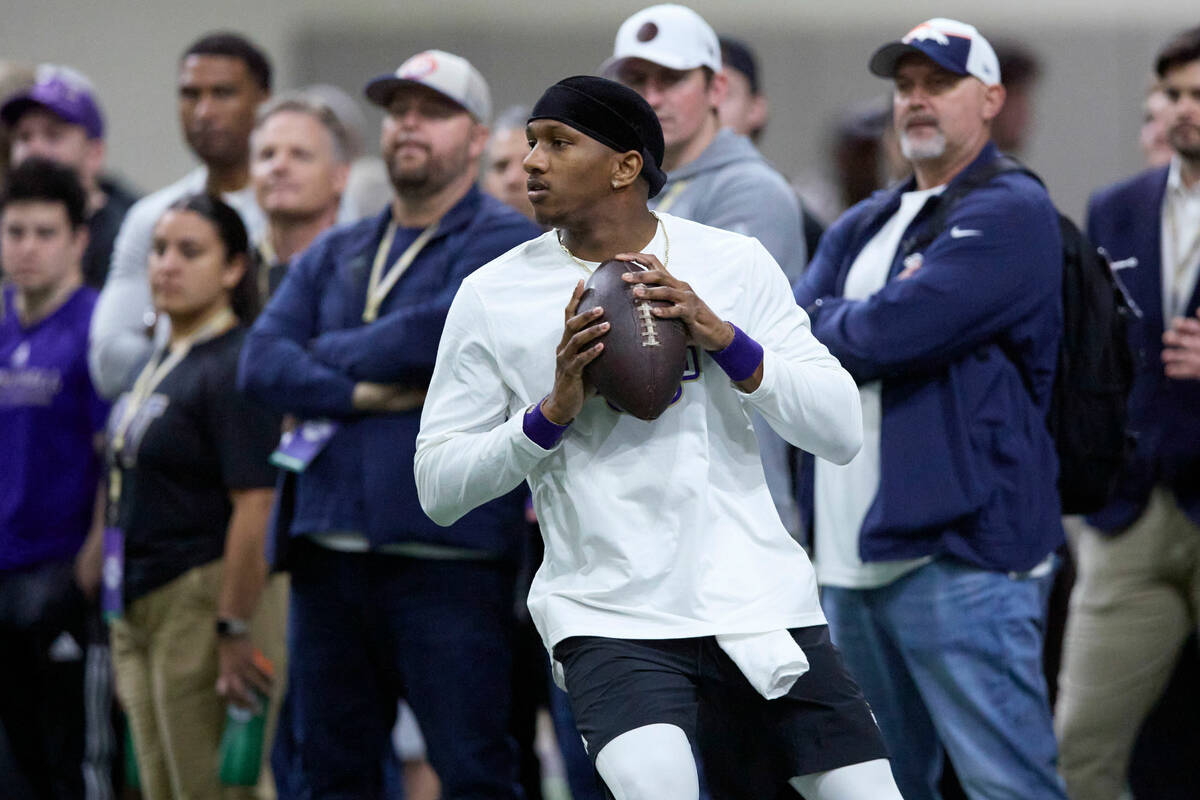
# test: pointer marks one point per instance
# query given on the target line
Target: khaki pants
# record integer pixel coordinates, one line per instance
(1134, 603)
(165, 654)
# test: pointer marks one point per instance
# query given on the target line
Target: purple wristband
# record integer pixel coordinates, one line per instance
(741, 358)
(541, 431)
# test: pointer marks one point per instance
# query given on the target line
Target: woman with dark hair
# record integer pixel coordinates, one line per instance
(190, 496)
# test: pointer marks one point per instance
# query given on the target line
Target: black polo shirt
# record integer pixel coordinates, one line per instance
(194, 440)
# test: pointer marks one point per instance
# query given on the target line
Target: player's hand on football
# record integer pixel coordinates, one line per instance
(706, 329)
(1181, 356)
(576, 350)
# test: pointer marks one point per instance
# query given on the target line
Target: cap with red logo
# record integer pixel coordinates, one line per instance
(669, 35)
(445, 73)
(952, 45)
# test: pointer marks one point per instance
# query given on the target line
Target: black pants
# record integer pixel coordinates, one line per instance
(365, 629)
(43, 657)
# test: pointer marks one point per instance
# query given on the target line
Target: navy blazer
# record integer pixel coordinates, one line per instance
(1164, 414)
(310, 346)
(966, 350)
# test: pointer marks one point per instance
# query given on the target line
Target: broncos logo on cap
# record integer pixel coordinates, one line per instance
(925, 32)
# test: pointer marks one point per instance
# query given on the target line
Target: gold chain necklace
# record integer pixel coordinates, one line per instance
(666, 246)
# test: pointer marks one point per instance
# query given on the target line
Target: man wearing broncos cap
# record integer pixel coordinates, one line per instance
(384, 603)
(677, 608)
(935, 545)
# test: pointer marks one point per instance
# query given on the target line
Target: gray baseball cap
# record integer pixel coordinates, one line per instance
(447, 74)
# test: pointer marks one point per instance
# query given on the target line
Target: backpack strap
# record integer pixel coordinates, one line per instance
(953, 195)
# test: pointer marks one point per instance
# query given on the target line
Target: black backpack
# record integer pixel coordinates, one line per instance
(1095, 366)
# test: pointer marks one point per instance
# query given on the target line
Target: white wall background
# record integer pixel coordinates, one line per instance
(1096, 55)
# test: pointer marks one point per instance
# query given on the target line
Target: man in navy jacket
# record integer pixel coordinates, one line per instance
(1137, 595)
(384, 602)
(935, 544)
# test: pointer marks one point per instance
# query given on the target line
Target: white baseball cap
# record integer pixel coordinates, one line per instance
(669, 35)
(950, 44)
(447, 74)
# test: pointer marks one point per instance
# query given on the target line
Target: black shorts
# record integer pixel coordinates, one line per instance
(749, 746)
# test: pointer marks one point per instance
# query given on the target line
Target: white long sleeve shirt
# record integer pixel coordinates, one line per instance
(118, 341)
(661, 529)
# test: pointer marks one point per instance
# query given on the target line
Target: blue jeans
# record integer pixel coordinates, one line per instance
(951, 655)
(366, 629)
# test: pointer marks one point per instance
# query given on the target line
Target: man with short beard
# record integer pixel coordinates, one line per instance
(935, 545)
(222, 79)
(385, 603)
(1137, 594)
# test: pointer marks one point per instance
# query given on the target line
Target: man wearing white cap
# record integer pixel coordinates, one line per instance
(670, 56)
(386, 604)
(935, 544)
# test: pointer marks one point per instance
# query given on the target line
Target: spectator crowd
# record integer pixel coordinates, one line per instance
(295, 437)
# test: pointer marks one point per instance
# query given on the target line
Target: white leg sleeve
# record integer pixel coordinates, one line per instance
(870, 780)
(653, 762)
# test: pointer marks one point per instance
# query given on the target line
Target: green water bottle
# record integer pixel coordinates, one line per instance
(242, 740)
(133, 778)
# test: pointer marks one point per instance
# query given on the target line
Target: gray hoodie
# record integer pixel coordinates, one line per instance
(731, 186)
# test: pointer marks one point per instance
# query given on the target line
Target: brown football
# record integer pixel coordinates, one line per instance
(642, 363)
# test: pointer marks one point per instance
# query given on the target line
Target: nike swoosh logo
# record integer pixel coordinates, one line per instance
(962, 233)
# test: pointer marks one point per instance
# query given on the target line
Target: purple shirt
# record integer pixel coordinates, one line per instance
(49, 416)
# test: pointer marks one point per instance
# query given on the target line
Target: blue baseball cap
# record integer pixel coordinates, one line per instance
(64, 92)
(952, 45)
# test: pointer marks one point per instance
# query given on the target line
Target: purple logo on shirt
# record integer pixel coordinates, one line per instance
(29, 386)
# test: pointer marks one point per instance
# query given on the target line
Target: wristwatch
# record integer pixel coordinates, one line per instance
(229, 627)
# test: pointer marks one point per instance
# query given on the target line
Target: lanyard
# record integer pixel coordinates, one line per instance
(671, 196)
(1179, 262)
(148, 380)
(266, 255)
(380, 284)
